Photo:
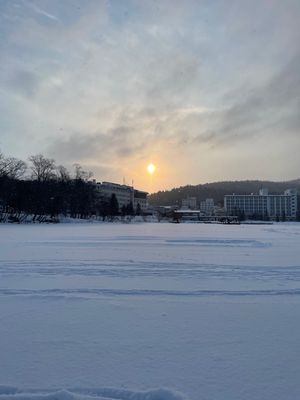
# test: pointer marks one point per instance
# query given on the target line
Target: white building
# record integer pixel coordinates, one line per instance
(283, 206)
(124, 194)
(140, 198)
(207, 206)
(190, 203)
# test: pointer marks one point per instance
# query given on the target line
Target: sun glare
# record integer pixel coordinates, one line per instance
(151, 168)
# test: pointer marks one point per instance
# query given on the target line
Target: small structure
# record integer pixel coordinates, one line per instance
(184, 215)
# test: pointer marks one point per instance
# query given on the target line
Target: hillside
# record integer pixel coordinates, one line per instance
(217, 190)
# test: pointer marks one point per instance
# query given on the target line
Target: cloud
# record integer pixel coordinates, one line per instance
(268, 109)
(109, 84)
(273, 107)
(40, 11)
(118, 142)
(24, 83)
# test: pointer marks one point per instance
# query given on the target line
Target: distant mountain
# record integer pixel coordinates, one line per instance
(217, 191)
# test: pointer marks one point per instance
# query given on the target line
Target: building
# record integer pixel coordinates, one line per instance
(140, 199)
(125, 194)
(186, 214)
(207, 206)
(190, 203)
(263, 205)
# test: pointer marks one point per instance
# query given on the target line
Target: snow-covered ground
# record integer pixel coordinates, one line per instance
(149, 311)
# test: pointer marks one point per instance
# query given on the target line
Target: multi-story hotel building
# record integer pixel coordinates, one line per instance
(189, 202)
(207, 206)
(124, 194)
(282, 206)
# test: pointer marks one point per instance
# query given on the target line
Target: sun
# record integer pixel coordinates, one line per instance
(151, 168)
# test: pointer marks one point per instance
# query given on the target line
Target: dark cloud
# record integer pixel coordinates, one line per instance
(274, 104)
(117, 142)
(272, 107)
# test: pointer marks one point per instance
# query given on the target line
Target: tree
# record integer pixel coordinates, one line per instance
(42, 168)
(50, 191)
(103, 208)
(81, 174)
(62, 174)
(82, 198)
(129, 209)
(11, 167)
(113, 205)
(123, 210)
(16, 168)
(241, 215)
(138, 209)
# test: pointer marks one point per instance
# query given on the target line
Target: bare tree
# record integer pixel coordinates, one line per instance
(63, 174)
(42, 168)
(81, 174)
(3, 165)
(16, 168)
(12, 167)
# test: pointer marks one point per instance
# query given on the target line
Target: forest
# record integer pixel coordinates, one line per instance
(217, 191)
(43, 190)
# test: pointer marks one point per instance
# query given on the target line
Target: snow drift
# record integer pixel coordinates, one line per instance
(13, 393)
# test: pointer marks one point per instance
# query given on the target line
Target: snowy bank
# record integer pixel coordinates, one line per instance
(13, 393)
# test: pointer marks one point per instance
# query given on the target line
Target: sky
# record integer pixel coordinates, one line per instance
(207, 90)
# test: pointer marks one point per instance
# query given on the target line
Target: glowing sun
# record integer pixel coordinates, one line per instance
(151, 168)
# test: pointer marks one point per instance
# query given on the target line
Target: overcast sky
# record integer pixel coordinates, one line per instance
(206, 90)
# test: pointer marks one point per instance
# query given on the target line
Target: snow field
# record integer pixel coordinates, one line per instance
(206, 310)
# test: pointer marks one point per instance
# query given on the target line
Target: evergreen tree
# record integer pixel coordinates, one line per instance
(113, 205)
(138, 209)
(129, 209)
(123, 210)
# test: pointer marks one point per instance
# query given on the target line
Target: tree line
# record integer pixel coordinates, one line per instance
(44, 190)
(217, 191)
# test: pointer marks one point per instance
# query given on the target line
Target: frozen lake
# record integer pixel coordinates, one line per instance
(210, 311)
